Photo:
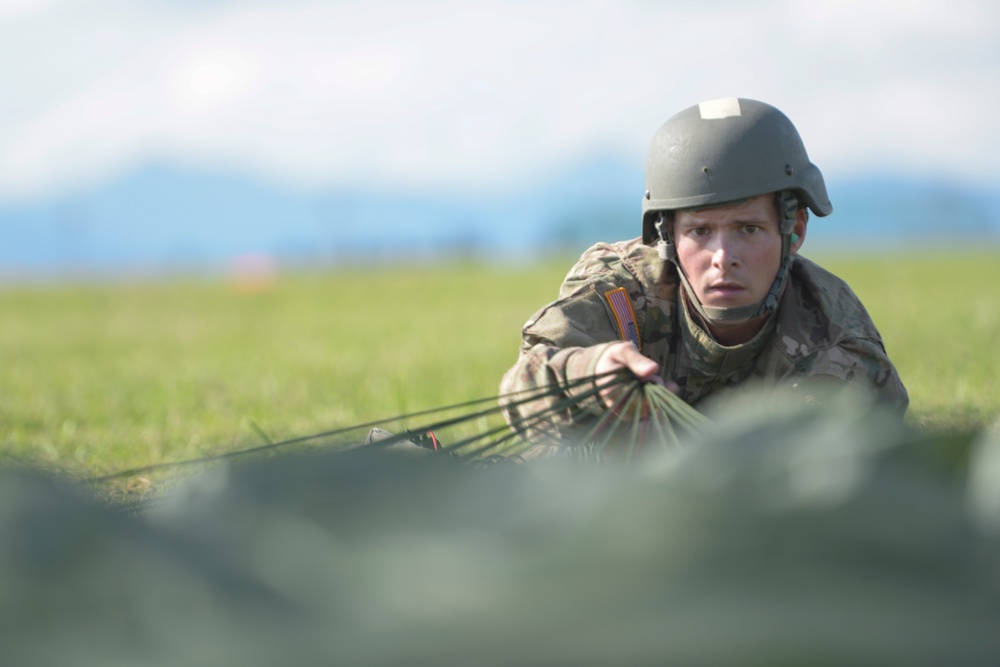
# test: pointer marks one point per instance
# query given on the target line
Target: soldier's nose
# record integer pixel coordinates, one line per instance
(723, 256)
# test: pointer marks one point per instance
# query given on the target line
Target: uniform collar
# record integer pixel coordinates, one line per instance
(710, 357)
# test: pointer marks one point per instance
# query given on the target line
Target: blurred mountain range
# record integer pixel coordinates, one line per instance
(162, 217)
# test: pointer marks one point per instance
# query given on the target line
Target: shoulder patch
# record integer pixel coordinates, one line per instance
(621, 306)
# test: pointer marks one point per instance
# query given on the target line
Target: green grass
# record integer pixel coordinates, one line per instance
(112, 376)
(103, 377)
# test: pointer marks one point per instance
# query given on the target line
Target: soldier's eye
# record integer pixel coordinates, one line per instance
(751, 229)
(698, 231)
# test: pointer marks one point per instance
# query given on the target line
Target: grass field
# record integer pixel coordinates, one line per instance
(101, 377)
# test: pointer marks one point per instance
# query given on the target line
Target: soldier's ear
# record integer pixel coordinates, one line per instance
(799, 230)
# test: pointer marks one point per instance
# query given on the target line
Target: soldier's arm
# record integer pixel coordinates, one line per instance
(863, 364)
(544, 366)
(573, 338)
(559, 344)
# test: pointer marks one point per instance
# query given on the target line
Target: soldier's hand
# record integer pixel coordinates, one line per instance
(625, 355)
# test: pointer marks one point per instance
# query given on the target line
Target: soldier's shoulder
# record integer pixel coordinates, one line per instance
(617, 262)
(821, 310)
(826, 331)
(830, 292)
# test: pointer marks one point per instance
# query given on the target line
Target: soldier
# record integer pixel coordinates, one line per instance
(714, 294)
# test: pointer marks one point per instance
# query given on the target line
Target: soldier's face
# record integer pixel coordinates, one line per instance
(730, 253)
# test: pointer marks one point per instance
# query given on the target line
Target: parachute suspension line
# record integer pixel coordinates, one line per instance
(522, 397)
(600, 434)
(647, 411)
(642, 411)
(519, 426)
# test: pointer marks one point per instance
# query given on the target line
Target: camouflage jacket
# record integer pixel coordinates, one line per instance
(821, 329)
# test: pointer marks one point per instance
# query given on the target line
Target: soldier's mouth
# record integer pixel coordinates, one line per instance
(726, 289)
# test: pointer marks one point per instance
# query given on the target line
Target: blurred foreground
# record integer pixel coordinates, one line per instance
(789, 534)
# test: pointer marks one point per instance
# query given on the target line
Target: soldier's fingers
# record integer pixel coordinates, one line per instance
(625, 355)
(643, 367)
(611, 359)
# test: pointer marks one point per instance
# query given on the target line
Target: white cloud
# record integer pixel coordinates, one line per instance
(469, 94)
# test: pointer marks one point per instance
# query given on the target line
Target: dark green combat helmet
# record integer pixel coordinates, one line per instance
(724, 151)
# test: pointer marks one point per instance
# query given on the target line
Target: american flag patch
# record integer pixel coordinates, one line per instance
(621, 306)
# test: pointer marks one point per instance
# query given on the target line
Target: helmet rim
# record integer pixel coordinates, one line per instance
(698, 160)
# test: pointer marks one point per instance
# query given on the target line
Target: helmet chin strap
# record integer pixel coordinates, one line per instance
(788, 205)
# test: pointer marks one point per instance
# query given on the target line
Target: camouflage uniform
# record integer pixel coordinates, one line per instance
(820, 330)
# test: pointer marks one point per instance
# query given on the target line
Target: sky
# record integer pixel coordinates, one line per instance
(468, 96)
